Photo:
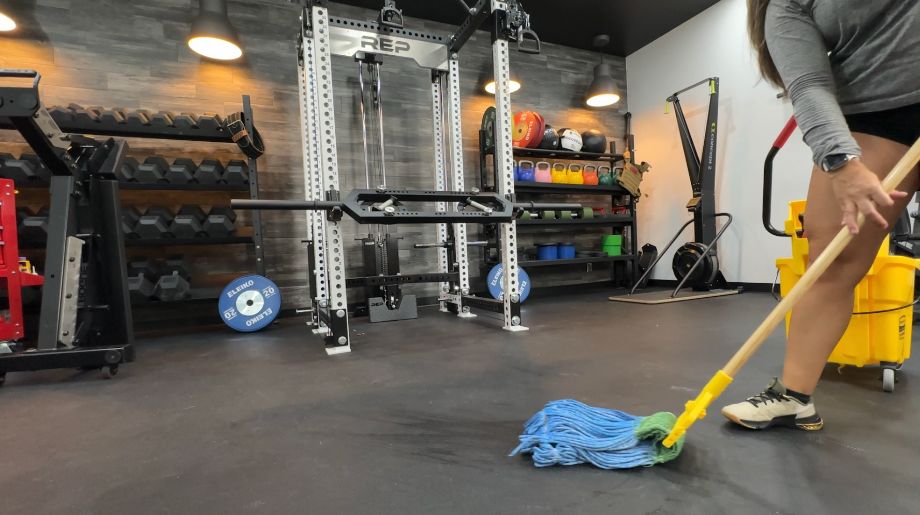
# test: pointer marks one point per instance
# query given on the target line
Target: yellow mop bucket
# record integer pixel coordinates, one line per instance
(886, 293)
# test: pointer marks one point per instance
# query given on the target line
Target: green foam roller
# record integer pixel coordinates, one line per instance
(565, 215)
(549, 215)
(587, 212)
(525, 215)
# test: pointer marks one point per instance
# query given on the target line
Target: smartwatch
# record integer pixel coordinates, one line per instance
(834, 162)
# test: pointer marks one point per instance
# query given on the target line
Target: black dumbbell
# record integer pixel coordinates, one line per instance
(171, 287)
(128, 170)
(130, 215)
(153, 170)
(28, 169)
(112, 116)
(42, 173)
(176, 264)
(210, 122)
(161, 120)
(154, 223)
(61, 116)
(81, 116)
(220, 222)
(237, 173)
(145, 267)
(34, 228)
(140, 288)
(181, 171)
(4, 157)
(137, 119)
(22, 213)
(185, 122)
(188, 222)
(210, 171)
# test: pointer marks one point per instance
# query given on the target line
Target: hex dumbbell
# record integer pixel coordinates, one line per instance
(154, 223)
(181, 171)
(236, 173)
(210, 171)
(189, 222)
(220, 222)
(130, 215)
(171, 287)
(153, 170)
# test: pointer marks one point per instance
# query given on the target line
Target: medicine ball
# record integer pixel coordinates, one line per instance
(570, 139)
(594, 141)
(550, 138)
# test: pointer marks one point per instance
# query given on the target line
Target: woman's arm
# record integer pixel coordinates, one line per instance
(799, 52)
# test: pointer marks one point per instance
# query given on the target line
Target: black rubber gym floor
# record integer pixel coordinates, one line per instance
(420, 417)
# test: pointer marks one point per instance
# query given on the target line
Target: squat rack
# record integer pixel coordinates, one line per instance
(323, 36)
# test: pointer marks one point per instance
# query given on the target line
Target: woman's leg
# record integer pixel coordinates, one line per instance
(821, 317)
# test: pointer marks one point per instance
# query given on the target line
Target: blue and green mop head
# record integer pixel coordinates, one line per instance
(568, 432)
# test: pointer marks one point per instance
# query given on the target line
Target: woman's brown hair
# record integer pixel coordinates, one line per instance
(757, 17)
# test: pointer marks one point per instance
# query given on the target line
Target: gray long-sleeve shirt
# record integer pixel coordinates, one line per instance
(841, 57)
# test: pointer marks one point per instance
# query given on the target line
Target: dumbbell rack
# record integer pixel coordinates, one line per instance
(615, 222)
(206, 128)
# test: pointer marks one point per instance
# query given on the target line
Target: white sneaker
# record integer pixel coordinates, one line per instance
(774, 408)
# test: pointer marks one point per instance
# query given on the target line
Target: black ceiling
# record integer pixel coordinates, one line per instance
(631, 24)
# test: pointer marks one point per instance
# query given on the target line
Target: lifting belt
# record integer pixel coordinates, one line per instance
(250, 144)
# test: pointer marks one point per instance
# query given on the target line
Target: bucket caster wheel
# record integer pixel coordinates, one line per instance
(109, 372)
(888, 379)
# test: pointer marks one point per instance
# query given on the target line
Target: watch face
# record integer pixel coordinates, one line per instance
(834, 161)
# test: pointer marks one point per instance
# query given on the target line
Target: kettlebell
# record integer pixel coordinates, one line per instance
(542, 172)
(590, 175)
(525, 171)
(558, 173)
(574, 174)
(604, 177)
(517, 171)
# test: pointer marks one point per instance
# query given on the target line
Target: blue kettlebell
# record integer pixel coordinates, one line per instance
(526, 172)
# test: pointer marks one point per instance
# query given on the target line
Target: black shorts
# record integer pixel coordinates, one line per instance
(901, 124)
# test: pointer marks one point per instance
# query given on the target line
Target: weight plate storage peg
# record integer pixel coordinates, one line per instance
(249, 303)
(496, 282)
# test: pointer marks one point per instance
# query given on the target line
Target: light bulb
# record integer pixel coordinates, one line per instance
(215, 48)
(603, 100)
(513, 86)
(6, 23)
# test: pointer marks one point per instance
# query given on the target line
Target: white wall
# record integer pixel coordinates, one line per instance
(713, 43)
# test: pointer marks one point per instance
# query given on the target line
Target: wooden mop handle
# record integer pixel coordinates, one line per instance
(817, 268)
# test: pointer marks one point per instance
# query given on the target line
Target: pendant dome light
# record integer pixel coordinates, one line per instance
(213, 36)
(603, 89)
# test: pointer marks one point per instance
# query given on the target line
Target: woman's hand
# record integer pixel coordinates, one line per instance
(858, 190)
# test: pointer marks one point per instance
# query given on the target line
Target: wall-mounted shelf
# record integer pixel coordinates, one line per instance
(156, 186)
(602, 221)
(177, 242)
(567, 155)
(574, 261)
(547, 187)
(178, 187)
